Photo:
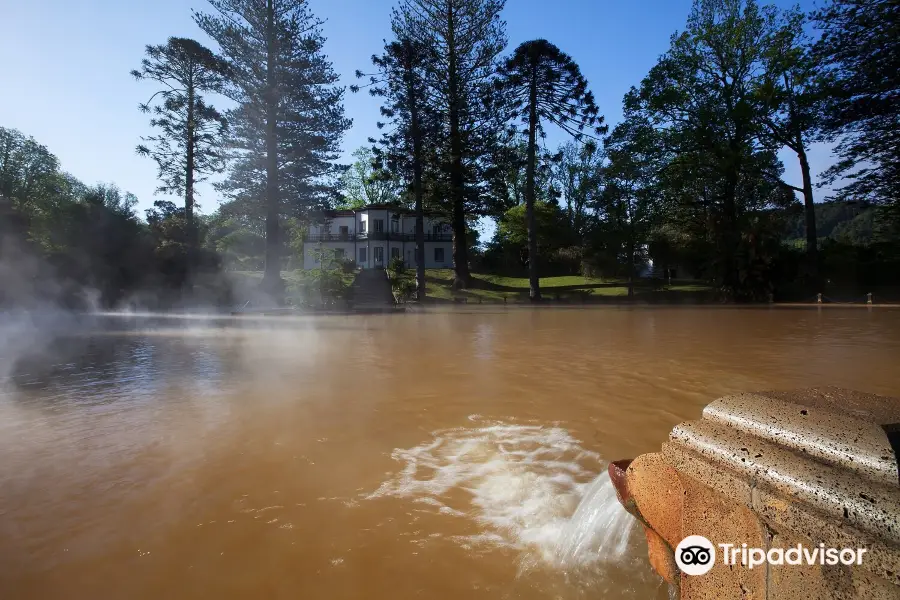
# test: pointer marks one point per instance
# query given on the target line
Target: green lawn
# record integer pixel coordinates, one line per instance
(546, 282)
(689, 287)
(522, 282)
(441, 290)
(496, 288)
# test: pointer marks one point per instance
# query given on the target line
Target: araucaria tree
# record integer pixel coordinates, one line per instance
(465, 38)
(400, 83)
(287, 128)
(541, 83)
(187, 147)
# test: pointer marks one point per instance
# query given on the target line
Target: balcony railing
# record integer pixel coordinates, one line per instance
(330, 237)
(377, 236)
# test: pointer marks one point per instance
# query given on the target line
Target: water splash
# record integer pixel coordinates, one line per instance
(599, 527)
(530, 488)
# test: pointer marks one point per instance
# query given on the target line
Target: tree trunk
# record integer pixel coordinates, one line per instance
(629, 215)
(457, 176)
(812, 238)
(421, 290)
(578, 221)
(729, 236)
(730, 240)
(272, 277)
(534, 283)
(189, 186)
(417, 179)
(631, 268)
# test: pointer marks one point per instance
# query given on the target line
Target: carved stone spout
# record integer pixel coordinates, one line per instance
(811, 469)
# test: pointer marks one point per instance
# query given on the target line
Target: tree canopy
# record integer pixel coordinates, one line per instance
(465, 39)
(365, 182)
(689, 181)
(187, 147)
(859, 50)
(286, 130)
(541, 83)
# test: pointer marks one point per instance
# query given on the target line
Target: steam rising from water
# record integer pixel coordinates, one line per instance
(534, 489)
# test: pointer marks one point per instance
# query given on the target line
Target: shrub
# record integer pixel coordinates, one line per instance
(567, 261)
(396, 267)
(348, 265)
(404, 289)
(325, 287)
(589, 269)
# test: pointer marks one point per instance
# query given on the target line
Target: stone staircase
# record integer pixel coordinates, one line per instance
(372, 291)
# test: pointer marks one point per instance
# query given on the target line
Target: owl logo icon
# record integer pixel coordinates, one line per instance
(695, 555)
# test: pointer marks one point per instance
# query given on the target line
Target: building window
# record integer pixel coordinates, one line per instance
(339, 254)
(362, 226)
(395, 226)
(379, 225)
(363, 255)
(344, 231)
(437, 229)
(438, 255)
(395, 252)
(379, 255)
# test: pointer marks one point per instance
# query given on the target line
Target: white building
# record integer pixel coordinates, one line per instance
(375, 234)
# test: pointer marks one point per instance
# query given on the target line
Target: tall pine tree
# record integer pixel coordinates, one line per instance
(287, 128)
(466, 38)
(541, 83)
(188, 145)
(400, 82)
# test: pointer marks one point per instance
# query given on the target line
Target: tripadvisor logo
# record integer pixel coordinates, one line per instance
(696, 555)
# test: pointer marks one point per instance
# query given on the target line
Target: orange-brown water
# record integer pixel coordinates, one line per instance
(408, 456)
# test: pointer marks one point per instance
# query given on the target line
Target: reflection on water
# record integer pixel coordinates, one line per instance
(444, 455)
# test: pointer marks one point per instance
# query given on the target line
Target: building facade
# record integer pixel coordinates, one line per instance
(375, 234)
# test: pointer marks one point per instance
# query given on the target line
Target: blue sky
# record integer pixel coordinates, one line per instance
(65, 68)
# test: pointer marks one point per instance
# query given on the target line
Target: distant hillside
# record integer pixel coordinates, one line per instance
(850, 222)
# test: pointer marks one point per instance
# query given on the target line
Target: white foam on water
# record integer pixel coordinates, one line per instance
(530, 487)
